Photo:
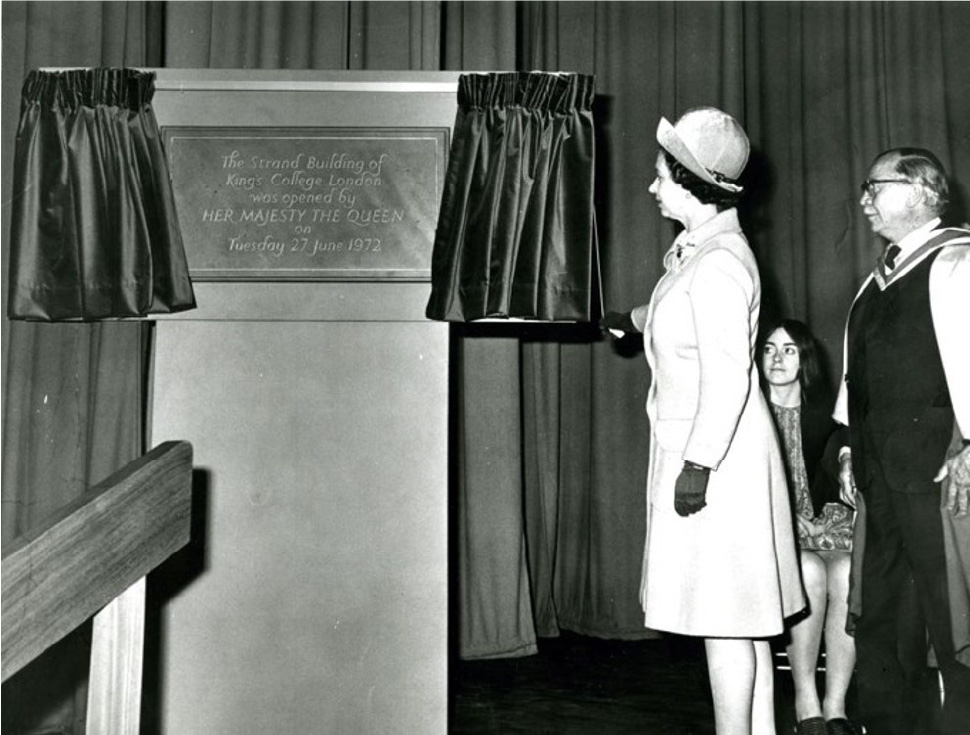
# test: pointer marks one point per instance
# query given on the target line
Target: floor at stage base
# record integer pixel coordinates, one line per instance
(578, 685)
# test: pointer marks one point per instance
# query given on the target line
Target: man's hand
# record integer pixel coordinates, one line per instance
(847, 489)
(957, 468)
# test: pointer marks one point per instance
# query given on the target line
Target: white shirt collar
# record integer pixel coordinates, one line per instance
(914, 239)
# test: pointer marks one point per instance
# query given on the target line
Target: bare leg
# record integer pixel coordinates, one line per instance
(806, 638)
(731, 667)
(763, 706)
(839, 645)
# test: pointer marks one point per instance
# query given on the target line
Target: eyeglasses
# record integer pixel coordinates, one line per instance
(868, 186)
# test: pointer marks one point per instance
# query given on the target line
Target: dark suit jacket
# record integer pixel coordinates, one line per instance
(821, 439)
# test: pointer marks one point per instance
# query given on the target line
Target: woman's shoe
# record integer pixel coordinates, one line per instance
(811, 726)
(842, 726)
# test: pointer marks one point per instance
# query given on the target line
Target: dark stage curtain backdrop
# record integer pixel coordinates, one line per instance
(73, 394)
(552, 437)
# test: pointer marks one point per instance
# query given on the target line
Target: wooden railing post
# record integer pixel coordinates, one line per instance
(90, 559)
(117, 657)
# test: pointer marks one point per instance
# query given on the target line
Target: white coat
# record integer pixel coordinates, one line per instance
(731, 569)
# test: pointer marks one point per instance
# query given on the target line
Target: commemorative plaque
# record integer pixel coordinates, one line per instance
(307, 203)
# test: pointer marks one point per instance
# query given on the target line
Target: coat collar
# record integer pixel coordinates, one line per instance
(687, 242)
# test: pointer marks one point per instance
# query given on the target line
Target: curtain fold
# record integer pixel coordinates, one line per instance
(542, 461)
(495, 591)
(94, 234)
(515, 227)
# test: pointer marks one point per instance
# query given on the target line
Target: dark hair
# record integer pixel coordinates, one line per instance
(703, 191)
(920, 166)
(810, 361)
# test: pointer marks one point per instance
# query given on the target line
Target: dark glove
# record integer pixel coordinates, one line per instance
(618, 320)
(690, 489)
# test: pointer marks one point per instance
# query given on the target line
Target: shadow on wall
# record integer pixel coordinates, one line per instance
(41, 697)
(164, 584)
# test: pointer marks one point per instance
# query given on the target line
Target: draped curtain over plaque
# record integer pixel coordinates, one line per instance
(515, 229)
(94, 233)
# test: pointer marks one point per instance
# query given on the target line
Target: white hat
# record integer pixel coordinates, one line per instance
(707, 141)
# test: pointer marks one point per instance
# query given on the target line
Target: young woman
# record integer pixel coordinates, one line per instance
(791, 371)
(720, 560)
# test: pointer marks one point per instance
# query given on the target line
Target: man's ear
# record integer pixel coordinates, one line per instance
(921, 195)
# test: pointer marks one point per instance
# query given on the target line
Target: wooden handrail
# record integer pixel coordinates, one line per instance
(93, 550)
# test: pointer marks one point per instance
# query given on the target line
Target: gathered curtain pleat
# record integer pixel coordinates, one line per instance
(515, 228)
(94, 233)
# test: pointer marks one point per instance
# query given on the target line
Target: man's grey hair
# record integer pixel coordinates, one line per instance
(920, 166)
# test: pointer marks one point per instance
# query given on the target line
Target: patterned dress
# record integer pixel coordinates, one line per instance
(835, 521)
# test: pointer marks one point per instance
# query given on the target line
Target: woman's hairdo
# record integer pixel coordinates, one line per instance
(704, 192)
(810, 361)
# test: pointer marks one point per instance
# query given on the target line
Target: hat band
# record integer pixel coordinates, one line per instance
(725, 181)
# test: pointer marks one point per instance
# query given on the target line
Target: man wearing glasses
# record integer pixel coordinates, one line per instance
(906, 399)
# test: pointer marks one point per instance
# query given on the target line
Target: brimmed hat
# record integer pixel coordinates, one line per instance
(707, 141)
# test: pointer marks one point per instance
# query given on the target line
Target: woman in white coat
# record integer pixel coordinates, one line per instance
(720, 559)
